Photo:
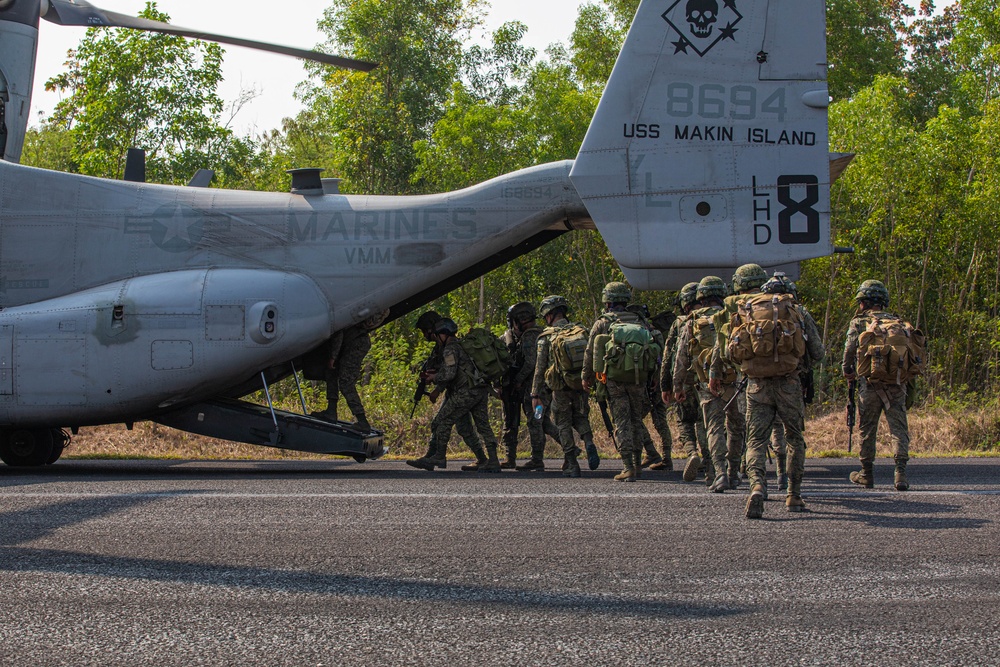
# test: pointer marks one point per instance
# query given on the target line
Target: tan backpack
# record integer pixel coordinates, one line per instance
(768, 335)
(567, 347)
(891, 350)
(704, 335)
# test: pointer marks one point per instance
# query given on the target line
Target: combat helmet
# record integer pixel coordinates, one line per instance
(616, 293)
(446, 325)
(426, 321)
(873, 291)
(551, 303)
(711, 286)
(522, 311)
(376, 320)
(687, 296)
(779, 284)
(748, 277)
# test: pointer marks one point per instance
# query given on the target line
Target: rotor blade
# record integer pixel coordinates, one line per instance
(82, 13)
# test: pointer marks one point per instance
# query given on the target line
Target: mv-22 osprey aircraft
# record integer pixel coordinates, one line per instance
(125, 301)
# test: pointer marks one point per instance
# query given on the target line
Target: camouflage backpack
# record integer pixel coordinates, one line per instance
(891, 350)
(704, 336)
(567, 346)
(631, 354)
(768, 335)
(488, 353)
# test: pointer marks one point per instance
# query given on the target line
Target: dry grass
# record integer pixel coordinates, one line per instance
(933, 432)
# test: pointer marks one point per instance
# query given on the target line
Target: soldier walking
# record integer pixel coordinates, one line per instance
(770, 336)
(626, 393)
(687, 415)
(883, 353)
(696, 352)
(559, 366)
(348, 348)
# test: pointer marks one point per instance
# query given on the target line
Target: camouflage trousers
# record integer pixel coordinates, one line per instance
(571, 412)
(537, 430)
(658, 414)
(691, 426)
(343, 378)
(871, 405)
(726, 427)
(465, 403)
(629, 403)
(770, 400)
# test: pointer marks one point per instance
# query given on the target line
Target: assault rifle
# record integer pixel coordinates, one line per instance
(851, 386)
(603, 405)
(740, 388)
(421, 390)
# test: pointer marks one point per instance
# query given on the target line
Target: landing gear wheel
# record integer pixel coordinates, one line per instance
(26, 446)
(60, 439)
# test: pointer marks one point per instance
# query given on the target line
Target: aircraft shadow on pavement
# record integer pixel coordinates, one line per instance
(896, 511)
(22, 526)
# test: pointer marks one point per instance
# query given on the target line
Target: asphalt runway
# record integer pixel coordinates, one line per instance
(335, 563)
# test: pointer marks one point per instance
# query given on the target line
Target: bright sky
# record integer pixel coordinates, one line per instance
(274, 75)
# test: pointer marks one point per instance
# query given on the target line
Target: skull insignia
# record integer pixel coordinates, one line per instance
(701, 14)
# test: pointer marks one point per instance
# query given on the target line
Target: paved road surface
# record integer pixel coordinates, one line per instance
(330, 563)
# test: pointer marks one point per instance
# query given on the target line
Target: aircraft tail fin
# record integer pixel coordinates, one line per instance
(709, 145)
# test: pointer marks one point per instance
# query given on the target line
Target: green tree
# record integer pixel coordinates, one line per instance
(157, 92)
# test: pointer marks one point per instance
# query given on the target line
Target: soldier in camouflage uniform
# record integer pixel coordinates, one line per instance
(653, 459)
(768, 400)
(522, 341)
(875, 398)
(570, 406)
(687, 415)
(464, 396)
(348, 348)
(464, 426)
(746, 281)
(628, 402)
(720, 410)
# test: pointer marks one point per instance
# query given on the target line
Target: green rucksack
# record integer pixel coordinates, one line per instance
(489, 354)
(631, 354)
(567, 345)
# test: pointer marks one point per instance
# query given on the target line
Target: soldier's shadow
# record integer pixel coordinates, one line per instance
(896, 511)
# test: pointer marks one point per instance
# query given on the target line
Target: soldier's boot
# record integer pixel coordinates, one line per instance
(709, 473)
(593, 457)
(628, 469)
(362, 423)
(492, 464)
(691, 468)
(793, 501)
(480, 460)
(864, 477)
(428, 463)
(755, 503)
(532, 465)
(654, 461)
(511, 461)
(899, 479)
(572, 467)
(637, 464)
(782, 472)
(743, 467)
(721, 481)
(734, 477)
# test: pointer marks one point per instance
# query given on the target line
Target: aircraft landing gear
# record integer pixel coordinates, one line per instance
(28, 446)
(60, 439)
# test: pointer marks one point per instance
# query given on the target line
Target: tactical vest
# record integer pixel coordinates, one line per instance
(768, 335)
